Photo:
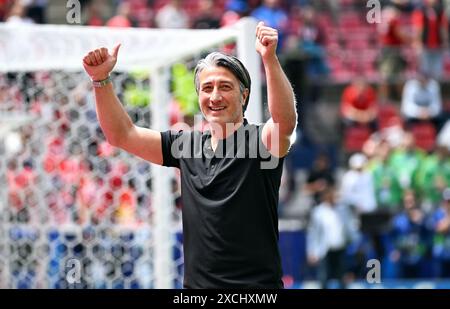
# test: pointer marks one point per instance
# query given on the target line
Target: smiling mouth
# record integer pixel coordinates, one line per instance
(217, 109)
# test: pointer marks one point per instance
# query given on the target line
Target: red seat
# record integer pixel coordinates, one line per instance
(424, 135)
(355, 137)
(350, 21)
(346, 2)
(357, 44)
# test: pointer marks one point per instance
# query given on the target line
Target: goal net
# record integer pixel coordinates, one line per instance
(76, 212)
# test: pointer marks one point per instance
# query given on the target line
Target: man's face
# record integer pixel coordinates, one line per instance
(220, 97)
(271, 3)
(360, 85)
(430, 2)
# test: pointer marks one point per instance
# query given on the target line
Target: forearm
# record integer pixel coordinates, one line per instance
(435, 107)
(371, 113)
(113, 118)
(408, 108)
(436, 101)
(281, 100)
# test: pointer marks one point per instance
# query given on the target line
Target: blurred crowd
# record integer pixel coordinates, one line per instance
(384, 193)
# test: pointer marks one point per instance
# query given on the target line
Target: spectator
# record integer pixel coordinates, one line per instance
(234, 11)
(358, 103)
(434, 177)
(320, 177)
(327, 239)
(421, 100)
(172, 16)
(141, 12)
(431, 36)
(17, 14)
(305, 55)
(391, 62)
(271, 13)
(127, 203)
(410, 238)
(19, 180)
(4, 7)
(388, 191)
(311, 43)
(440, 222)
(87, 194)
(206, 18)
(358, 193)
(328, 6)
(404, 6)
(357, 188)
(94, 13)
(122, 18)
(406, 160)
(446, 7)
(37, 11)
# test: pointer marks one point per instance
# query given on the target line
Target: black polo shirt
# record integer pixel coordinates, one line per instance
(230, 200)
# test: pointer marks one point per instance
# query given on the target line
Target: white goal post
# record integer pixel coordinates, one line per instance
(31, 48)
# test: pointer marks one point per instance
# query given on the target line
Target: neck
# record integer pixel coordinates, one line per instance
(220, 131)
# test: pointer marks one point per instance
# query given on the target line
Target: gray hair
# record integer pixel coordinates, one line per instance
(233, 64)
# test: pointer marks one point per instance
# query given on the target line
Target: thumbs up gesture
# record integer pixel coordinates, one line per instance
(99, 63)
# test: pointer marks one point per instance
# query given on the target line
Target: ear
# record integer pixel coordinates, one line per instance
(245, 95)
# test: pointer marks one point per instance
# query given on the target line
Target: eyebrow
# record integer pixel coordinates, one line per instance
(221, 82)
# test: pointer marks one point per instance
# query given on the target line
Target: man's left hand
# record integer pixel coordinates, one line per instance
(266, 40)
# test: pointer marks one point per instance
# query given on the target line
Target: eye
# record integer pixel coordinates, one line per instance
(207, 88)
(225, 87)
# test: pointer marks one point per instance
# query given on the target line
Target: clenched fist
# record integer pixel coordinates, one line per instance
(266, 40)
(99, 63)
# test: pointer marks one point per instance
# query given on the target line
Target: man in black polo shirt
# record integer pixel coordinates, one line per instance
(230, 174)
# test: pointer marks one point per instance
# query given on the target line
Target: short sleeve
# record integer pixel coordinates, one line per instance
(268, 161)
(170, 154)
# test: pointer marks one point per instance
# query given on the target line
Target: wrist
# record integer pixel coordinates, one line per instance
(100, 77)
(99, 83)
(269, 58)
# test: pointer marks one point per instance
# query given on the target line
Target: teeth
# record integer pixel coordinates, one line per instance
(217, 108)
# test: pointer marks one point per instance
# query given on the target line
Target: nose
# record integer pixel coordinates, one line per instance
(215, 96)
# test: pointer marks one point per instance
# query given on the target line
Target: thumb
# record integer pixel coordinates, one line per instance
(115, 50)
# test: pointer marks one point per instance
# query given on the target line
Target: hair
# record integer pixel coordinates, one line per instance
(232, 64)
(327, 194)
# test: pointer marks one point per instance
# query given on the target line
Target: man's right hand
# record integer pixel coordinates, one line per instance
(99, 63)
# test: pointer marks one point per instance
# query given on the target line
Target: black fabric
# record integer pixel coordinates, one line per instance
(325, 175)
(230, 220)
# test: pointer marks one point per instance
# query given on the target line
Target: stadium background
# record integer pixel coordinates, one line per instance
(67, 195)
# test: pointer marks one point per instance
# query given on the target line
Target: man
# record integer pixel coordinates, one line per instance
(230, 223)
(440, 222)
(422, 100)
(328, 232)
(430, 25)
(359, 104)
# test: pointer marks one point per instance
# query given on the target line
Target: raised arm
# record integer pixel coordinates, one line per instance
(277, 131)
(117, 126)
